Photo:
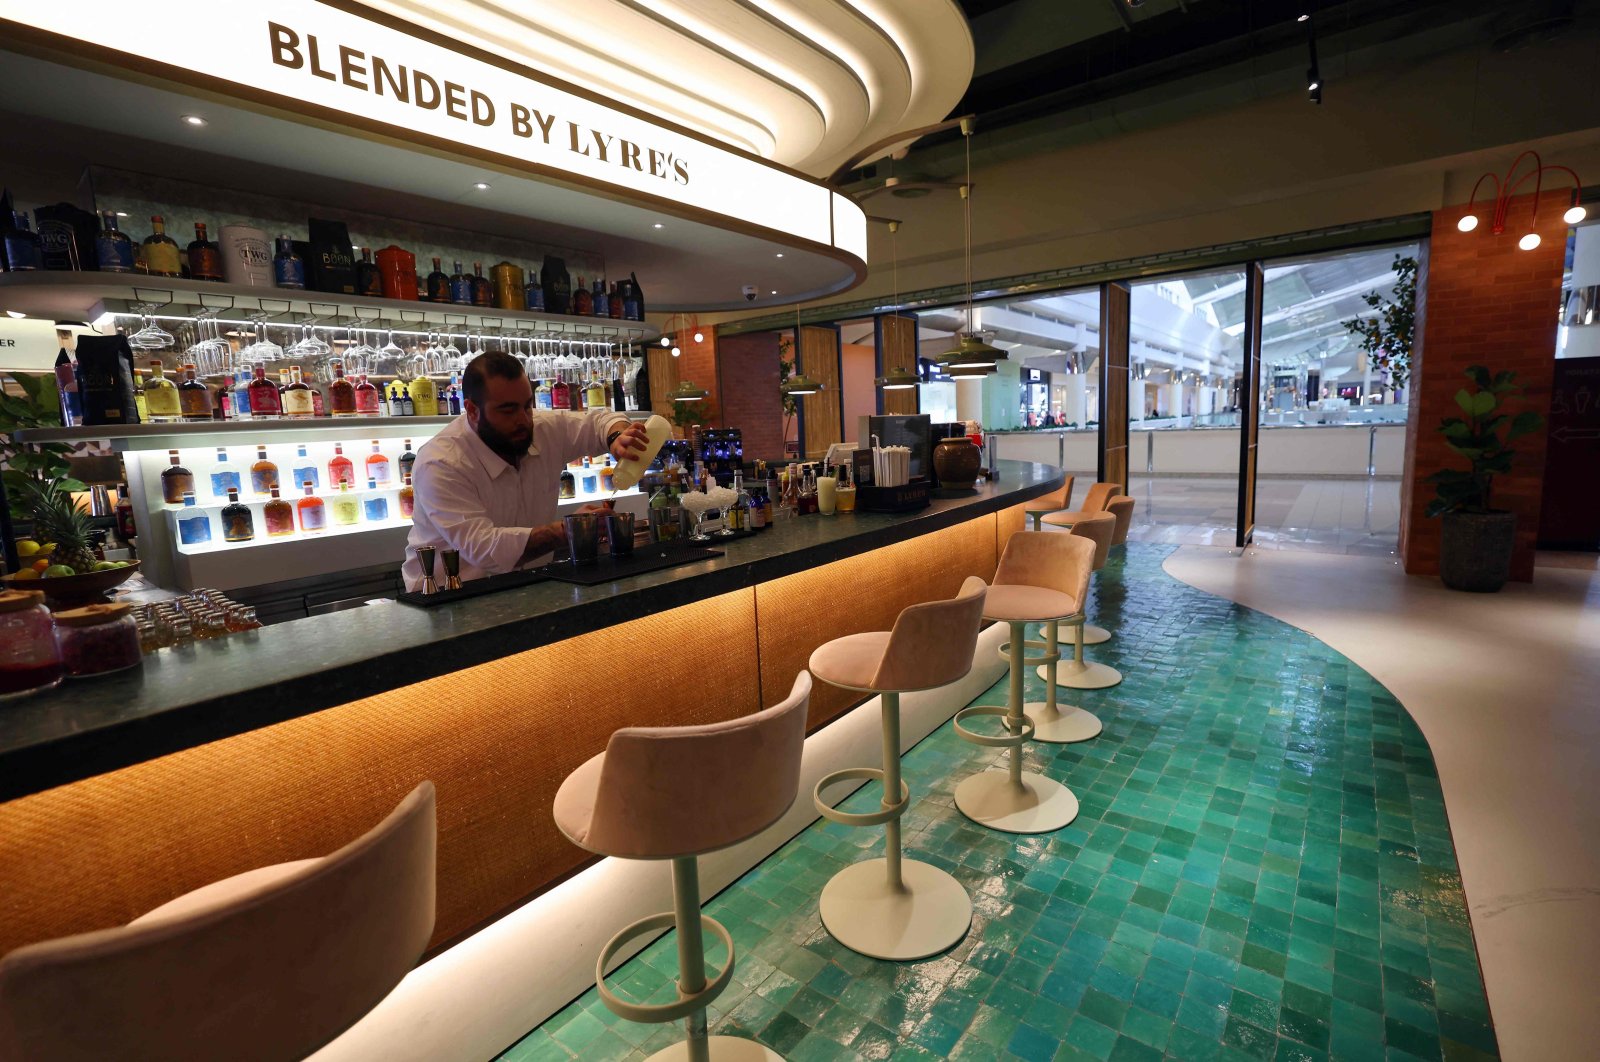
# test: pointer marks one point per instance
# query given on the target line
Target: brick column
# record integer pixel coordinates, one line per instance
(751, 402)
(1482, 301)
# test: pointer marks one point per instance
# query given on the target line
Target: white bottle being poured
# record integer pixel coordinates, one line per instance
(630, 469)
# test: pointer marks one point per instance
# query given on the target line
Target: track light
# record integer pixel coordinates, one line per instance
(1313, 86)
(1529, 242)
(1574, 214)
(1468, 222)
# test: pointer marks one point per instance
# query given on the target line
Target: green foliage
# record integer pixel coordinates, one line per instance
(1477, 437)
(687, 414)
(786, 369)
(41, 464)
(1387, 338)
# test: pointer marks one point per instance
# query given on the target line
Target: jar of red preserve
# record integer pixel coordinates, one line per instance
(30, 660)
(98, 639)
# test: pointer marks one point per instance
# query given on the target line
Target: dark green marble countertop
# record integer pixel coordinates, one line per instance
(215, 689)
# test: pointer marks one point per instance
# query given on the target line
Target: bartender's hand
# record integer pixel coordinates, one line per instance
(633, 440)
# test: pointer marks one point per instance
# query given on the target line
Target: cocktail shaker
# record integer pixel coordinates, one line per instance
(425, 558)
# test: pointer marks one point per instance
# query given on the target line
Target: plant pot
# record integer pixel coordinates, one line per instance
(956, 462)
(1475, 551)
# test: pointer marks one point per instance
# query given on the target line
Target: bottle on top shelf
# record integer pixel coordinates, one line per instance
(176, 480)
(460, 286)
(205, 257)
(341, 470)
(264, 473)
(113, 248)
(408, 460)
(408, 497)
(368, 402)
(238, 525)
(341, 393)
(533, 294)
(313, 514)
(265, 403)
(278, 516)
(614, 302)
(288, 270)
(377, 467)
(161, 395)
(376, 506)
(369, 278)
(298, 398)
(438, 284)
(482, 288)
(24, 250)
(225, 476)
(161, 255)
(599, 301)
(582, 300)
(194, 398)
(346, 506)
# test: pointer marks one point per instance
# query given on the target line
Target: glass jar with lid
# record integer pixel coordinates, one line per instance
(98, 639)
(30, 660)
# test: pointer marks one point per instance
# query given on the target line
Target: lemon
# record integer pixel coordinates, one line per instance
(26, 573)
(27, 547)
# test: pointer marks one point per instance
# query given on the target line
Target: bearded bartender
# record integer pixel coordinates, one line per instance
(487, 484)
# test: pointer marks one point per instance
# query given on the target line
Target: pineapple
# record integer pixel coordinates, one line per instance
(56, 519)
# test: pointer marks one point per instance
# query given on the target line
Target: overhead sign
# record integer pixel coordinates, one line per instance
(317, 53)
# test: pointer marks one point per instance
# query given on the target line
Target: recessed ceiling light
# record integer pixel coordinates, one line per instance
(481, 186)
(122, 213)
(780, 254)
(193, 119)
(657, 225)
(774, 291)
(18, 314)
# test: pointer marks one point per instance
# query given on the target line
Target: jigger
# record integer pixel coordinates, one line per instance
(425, 558)
(452, 569)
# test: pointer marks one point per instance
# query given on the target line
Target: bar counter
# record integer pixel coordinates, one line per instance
(286, 742)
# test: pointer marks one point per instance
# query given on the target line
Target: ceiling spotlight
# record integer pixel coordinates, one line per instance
(17, 314)
(774, 291)
(1574, 214)
(699, 337)
(193, 119)
(657, 225)
(1529, 242)
(481, 186)
(1468, 222)
(676, 352)
(1303, 17)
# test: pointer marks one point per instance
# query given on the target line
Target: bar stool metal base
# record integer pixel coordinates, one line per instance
(926, 915)
(1093, 635)
(718, 1049)
(1064, 725)
(1090, 676)
(1033, 804)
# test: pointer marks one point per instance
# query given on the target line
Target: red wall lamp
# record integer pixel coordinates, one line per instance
(1506, 187)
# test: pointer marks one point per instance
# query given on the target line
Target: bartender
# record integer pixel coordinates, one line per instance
(487, 484)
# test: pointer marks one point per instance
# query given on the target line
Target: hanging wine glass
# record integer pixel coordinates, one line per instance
(263, 349)
(150, 335)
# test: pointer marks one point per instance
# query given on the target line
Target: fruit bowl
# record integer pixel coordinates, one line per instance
(74, 590)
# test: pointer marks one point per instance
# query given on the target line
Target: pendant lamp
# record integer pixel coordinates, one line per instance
(799, 383)
(901, 378)
(686, 391)
(971, 357)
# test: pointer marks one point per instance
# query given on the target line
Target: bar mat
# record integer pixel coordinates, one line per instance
(487, 585)
(645, 559)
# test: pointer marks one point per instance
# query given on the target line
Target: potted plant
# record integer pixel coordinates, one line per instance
(25, 465)
(1475, 551)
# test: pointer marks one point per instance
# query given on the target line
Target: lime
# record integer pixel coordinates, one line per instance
(58, 571)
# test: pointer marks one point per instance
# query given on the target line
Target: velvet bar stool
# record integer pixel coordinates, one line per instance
(1077, 673)
(268, 965)
(1042, 578)
(1050, 503)
(679, 793)
(897, 908)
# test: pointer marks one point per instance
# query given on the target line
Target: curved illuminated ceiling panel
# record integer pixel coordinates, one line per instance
(805, 83)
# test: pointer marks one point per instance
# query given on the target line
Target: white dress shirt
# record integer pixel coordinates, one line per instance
(469, 498)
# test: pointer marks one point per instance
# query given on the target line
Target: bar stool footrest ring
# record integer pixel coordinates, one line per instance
(663, 1012)
(867, 818)
(998, 741)
(1030, 661)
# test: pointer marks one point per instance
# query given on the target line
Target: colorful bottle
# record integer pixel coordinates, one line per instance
(377, 467)
(368, 402)
(237, 523)
(346, 506)
(205, 257)
(424, 394)
(600, 302)
(222, 401)
(341, 470)
(176, 480)
(265, 403)
(453, 396)
(590, 478)
(319, 404)
(560, 393)
(376, 508)
(241, 394)
(408, 498)
(161, 254)
(541, 395)
(341, 393)
(303, 470)
(568, 485)
(533, 294)
(140, 401)
(582, 300)
(298, 398)
(196, 529)
(595, 396)
(24, 250)
(614, 302)
(161, 396)
(224, 477)
(288, 271)
(438, 284)
(263, 474)
(608, 476)
(408, 408)
(460, 287)
(194, 398)
(369, 278)
(278, 516)
(113, 249)
(482, 289)
(313, 515)
(407, 461)
(442, 398)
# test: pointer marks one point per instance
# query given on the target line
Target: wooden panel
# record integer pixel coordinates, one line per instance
(1008, 522)
(497, 740)
(863, 593)
(1249, 405)
(1115, 303)
(821, 414)
(897, 349)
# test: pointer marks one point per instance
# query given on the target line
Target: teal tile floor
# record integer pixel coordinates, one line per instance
(1261, 870)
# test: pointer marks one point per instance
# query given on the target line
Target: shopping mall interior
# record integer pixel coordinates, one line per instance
(1118, 536)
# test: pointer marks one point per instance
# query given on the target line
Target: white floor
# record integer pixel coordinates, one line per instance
(1506, 688)
(1356, 516)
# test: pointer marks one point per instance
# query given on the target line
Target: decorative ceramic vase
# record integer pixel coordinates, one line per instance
(956, 462)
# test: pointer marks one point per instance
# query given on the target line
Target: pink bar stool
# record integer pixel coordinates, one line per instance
(268, 965)
(1119, 506)
(678, 793)
(1043, 578)
(897, 908)
(1078, 673)
(1050, 503)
